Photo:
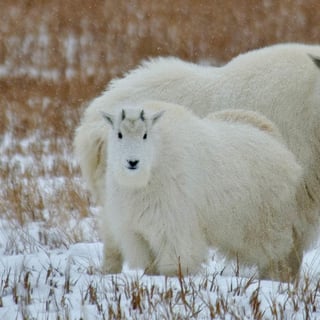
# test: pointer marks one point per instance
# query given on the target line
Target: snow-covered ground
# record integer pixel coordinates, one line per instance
(66, 283)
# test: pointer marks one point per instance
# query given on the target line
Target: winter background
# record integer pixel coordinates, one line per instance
(54, 57)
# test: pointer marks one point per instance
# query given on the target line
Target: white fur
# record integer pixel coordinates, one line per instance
(210, 183)
(280, 81)
(249, 117)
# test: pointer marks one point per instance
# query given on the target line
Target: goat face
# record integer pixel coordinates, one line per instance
(131, 147)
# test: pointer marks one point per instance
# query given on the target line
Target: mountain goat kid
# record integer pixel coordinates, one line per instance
(177, 185)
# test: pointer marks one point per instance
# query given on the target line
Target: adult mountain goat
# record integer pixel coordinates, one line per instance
(177, 184)
(281, 81)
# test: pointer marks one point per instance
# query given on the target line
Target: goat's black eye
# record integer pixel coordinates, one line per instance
(145, 136)
(119, 135)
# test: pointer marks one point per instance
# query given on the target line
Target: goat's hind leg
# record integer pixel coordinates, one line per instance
(287, 269)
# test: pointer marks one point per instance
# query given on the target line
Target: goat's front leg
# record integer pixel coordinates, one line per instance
(137, 252)
(183, 254)
(112, 257)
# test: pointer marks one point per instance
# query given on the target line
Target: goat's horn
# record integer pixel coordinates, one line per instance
(142, 115)
(123, 115)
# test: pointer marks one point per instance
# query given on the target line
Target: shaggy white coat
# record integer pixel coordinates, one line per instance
(281, 81)
(216, 183)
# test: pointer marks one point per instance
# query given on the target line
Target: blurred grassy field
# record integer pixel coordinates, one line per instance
(57, 55)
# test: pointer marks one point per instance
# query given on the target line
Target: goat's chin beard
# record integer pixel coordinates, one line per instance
(134, 179)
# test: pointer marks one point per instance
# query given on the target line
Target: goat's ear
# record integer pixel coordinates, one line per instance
(109, 117)
(316, 60)
(157, 116)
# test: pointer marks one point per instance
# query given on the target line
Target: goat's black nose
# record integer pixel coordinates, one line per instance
(133, 164)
